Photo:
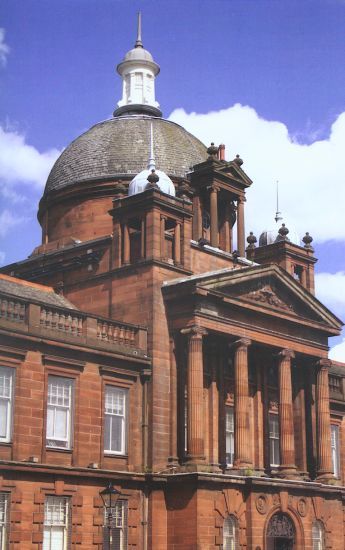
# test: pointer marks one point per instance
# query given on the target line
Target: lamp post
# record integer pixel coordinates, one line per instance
(109, 496)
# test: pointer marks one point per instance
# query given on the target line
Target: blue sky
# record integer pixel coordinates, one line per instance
(265, 77)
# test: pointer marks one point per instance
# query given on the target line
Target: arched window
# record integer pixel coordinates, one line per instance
(280, 533)
(318, 536)
(230, 533)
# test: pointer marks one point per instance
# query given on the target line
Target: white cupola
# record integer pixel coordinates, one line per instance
(138, 71)
(151, 177)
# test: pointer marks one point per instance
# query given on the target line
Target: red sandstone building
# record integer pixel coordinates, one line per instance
(138, 346)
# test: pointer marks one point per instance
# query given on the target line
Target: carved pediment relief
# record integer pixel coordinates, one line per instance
(269, 288)
(267, 296)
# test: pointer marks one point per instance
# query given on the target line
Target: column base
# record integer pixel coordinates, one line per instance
(191, 466)
(327, 478)
(288, 471)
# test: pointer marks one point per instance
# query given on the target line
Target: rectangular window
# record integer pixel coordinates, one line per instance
(115, 430)
(229, 435)
(56, 523)
(6, 403)
(115, 527)
(59, 412)
(274, 439)
(4, 513)
(335, 449)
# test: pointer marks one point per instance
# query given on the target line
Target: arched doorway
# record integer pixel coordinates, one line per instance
(280, 533)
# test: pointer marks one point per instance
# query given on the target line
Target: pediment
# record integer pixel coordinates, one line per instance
(271, 290)
(232, 169)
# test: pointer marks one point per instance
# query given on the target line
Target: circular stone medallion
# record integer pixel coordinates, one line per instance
(261, 504)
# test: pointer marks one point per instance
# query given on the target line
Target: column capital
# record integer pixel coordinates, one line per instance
(324, 364)
(213, 188)
(286, 354)
(241, 343)
(241, 199)
(195, 331)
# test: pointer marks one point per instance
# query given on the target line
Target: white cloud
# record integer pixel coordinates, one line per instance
(330, 289)
(4, 48)
(338, 352)
(311, 177)
(21, 163)
(8, 221)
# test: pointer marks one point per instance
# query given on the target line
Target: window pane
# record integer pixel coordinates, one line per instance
(59, 410)
(335, 449)
(117, 534)
(273, 420)
(3, 419)
(55, 523)
(115, 420)
(6, 395)
(229, 435)
(116, 434)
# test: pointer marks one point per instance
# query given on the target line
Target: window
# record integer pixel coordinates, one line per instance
(115, 527)
(273, 420)
(115, 432)
(3, 520)
(59, 412)
(229, 435)
(230, 536)
(6, 404)
(56, 523)
(335, 449)
(318, 536)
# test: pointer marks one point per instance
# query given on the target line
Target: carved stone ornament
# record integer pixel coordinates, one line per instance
(261, 504)
(266, 295)
(280, 526)
(302, 507)
(276, 500)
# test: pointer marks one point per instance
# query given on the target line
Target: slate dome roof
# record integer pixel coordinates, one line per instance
(120, 147)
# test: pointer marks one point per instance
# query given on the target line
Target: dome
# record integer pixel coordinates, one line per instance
(270, 236)
(138, 54)
(118, 147)
(139, 183)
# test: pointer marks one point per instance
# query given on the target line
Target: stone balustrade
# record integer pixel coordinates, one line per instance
(72, 326)
(12, 309)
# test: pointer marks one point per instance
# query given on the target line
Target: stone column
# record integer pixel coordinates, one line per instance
(142, 237)
(241, 242)
(126, 244)
(214, 408)
(173, 402)
(177, 244)
(287, 440)
(195, 383)
(325, 466)
(214, 216)
(197, 218)
(242, 446)
(163, 219)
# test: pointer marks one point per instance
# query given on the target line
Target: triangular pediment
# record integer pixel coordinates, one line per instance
(270, 289)
(232, 169)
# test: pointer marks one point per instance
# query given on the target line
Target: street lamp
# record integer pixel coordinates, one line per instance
(109, 496)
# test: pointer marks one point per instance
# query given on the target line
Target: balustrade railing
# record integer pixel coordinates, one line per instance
(110, 331)
(12, 310)
(63, 323)
(67, 322)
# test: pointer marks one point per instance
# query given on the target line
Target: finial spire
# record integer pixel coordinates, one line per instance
(278, 216)
(152, 163)
(138, 43)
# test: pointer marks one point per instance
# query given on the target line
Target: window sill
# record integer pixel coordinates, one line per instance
(6, 443)
(113, 455)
